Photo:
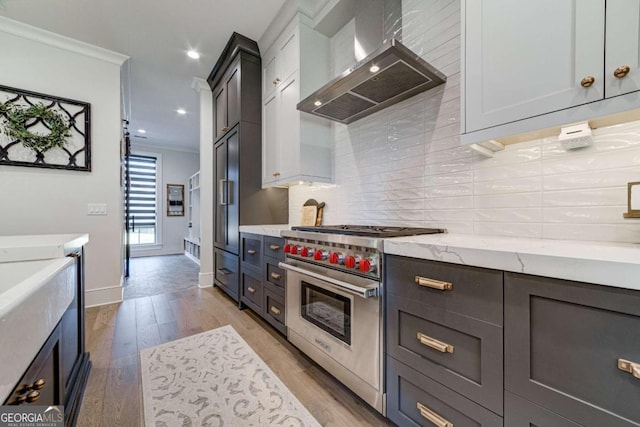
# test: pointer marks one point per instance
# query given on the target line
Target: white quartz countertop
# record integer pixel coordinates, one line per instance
(42, 246)
(611, 264)
(272, 230)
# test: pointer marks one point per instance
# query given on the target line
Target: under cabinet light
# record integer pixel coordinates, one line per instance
(181, 111)
(142, 131)
(193, 54)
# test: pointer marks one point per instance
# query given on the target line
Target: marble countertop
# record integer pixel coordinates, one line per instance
(611, 264)
(39, 246)
(272, 230)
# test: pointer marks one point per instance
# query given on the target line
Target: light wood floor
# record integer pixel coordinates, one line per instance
(115, 333)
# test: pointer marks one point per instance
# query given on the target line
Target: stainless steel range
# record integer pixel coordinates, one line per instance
(334, 300)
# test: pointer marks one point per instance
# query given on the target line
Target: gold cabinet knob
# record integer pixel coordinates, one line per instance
(251, 290)
(621, 72)
(224, 129)
(587, 81)
(33, 396)
(39, 384)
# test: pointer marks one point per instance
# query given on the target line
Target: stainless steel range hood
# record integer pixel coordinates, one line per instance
(389, 73)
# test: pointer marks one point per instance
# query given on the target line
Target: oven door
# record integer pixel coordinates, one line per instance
(336, 315)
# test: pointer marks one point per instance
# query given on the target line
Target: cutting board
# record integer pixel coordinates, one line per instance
(312, 213)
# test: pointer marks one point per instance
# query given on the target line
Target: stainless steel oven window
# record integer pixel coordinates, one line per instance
(327, 310)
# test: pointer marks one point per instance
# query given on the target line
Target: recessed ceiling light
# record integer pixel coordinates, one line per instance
(142, 131)
(181, 111)
(317, 103)
(374, 69)
(193, 54)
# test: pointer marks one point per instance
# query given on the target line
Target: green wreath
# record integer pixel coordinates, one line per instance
(17, 118)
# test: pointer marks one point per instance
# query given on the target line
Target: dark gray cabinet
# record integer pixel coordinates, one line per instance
(563, 344)
(434, 326)
(519, 412)
(263, 282)
(416, 400)
(237, 119)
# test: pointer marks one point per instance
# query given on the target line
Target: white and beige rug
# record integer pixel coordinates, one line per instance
(215, 379)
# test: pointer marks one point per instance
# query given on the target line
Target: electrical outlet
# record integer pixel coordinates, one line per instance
(96, 209)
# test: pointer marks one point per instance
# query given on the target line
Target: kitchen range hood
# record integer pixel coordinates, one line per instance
(389, 73)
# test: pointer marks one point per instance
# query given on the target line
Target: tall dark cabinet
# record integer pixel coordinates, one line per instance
(237, 125)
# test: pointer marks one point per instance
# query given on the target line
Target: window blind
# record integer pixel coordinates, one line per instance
(143, 197)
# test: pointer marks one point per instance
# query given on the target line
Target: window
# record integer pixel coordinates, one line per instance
(143, 200)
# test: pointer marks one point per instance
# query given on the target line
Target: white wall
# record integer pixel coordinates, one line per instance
(176, 168)
(206, 182)
(41, 201)
(405, 166)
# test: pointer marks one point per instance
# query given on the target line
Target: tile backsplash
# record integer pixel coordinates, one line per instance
(405, 166)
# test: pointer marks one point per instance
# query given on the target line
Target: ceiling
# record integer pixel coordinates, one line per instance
(156, 35)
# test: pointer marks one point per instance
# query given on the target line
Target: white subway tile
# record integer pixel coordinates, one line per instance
(510, 200)
(463, 202)
(508, 229)
(516, 185)
(507, 172)
(461, 177)
(508, 215)
(585, 215)
(449, 190)
(590, 179)
(449, 215)
(591, 162)
(589, 197)
(629, 233)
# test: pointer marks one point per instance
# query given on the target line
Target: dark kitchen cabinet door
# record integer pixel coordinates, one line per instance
(219, 111)
(564, 345)
(226, 101)
(227, 212)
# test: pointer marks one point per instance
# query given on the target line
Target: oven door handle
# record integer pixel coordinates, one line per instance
(334, 283)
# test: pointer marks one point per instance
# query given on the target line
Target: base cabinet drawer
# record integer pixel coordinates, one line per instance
(226, 272)
(460, 352)
(274, 247)
(519, 412)
(251, 250)
(275, 275)
(566, 347)
(274, 310)
(416, 400)
(471, 291)
(252, 291)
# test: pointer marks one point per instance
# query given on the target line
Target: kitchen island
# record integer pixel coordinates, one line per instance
(42, 314)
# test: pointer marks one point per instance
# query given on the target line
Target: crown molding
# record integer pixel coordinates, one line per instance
(36, 34)
(199, 85)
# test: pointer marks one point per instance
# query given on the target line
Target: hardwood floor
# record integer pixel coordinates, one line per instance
(116, 333)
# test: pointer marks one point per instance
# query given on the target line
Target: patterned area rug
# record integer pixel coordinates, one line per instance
(215, 379)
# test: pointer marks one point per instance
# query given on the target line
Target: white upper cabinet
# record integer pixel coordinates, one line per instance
(295, 146)
(622, 63)
(528, 58)
(545, 63)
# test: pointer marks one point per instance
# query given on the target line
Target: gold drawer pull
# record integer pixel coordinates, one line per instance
(274, 247)
(251, 252)
(434, 284)
(630, 367)
(275, 310)
(434, 343)
(275, 276)
(429, 415)
(251, 290)
(224, 129)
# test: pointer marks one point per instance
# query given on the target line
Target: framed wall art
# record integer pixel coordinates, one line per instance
(44, 131)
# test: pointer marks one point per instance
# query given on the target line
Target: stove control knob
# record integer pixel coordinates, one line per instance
(336, 258)
(320, 255)
(295, 250)
(367, 265)
(305, 252)
(351, 262)
(287, 249)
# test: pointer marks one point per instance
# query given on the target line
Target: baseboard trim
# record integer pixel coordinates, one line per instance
(205, 280)
(103, 296)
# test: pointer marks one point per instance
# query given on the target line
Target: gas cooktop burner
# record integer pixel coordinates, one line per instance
(369, 230)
